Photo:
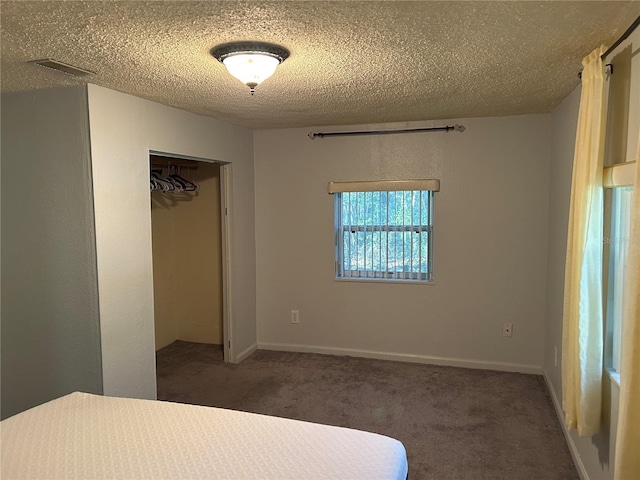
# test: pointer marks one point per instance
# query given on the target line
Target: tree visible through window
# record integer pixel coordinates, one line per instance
(382, 235)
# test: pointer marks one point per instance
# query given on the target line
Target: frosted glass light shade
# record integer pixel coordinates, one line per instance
(251, 68)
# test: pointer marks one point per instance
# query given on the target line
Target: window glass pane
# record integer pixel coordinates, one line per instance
(619, 243)
(384, 235)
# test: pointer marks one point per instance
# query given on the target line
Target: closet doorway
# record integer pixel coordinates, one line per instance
(190, 250)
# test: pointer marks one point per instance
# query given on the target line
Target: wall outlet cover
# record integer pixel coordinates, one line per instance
(507, 330)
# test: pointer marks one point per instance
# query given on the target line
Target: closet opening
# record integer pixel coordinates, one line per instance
(190, 248)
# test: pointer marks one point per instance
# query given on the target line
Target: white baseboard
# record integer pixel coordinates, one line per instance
(404, 357)
(577, 460)
(245, 353)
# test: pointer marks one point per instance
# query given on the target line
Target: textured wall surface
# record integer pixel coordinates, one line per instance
(595, 455)
(123, 131)
(490, 243)
(50, 331)
(351, 62)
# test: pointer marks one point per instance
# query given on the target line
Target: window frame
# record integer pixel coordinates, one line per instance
(616, 250)
(422, 187)
(619, 175)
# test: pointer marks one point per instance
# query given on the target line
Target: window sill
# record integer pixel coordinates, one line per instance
(384, 280)
(614, 376)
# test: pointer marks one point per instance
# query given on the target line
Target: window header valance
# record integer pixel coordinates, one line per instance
(385, 186)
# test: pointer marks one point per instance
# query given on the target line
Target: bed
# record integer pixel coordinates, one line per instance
(90, 436)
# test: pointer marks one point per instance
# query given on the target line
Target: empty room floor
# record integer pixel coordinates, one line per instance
(455, 423)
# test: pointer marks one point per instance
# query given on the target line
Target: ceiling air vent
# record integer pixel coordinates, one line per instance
(62, 67)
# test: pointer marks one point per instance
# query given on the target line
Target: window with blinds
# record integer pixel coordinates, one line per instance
(384, 230)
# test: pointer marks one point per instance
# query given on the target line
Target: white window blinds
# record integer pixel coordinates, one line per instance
(384, 230)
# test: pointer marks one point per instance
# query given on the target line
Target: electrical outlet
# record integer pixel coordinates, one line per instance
(507, 330)
(555, 356)
(295, 316)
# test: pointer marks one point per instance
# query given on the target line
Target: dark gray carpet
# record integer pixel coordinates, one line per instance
(455, 423)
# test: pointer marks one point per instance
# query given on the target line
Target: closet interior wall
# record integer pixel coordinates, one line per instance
(187, 258)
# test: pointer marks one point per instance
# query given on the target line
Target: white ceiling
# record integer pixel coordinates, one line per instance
(351, 62)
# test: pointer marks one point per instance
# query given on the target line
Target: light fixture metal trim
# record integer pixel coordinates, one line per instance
(234, 48)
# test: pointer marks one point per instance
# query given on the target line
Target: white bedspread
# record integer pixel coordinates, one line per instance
(89, 436)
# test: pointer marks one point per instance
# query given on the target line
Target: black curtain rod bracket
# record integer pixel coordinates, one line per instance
(608, 69)
(615, 44)
(448, 128)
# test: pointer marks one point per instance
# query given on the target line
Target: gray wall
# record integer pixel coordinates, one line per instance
(593, 455)
(490, 244)
(564, 122)
(123, 131)
(50, 326)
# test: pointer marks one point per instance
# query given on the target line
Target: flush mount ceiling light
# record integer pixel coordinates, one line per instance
(250, 62)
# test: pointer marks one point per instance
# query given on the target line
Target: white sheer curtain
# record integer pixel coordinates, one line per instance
(582, 332)
(627, 462)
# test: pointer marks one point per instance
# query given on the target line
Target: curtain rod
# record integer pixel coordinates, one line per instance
(457, 128)
(624, 36)
(615, 45)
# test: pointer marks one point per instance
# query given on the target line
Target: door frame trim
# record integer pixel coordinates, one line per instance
(226, 220)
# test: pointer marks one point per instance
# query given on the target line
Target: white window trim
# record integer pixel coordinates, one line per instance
(429, 185)
(619, 175)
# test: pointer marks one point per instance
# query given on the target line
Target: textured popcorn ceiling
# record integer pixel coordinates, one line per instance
(351, 62)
